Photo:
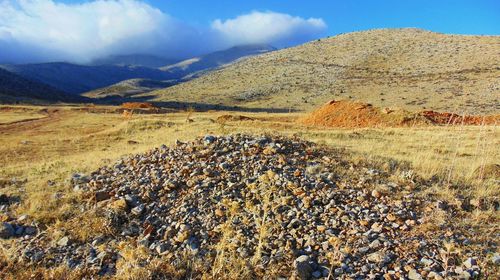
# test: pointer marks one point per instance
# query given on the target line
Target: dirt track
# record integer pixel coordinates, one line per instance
(52, 115)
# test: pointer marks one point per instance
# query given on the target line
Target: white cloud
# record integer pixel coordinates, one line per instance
(43, 30)
(269, 27)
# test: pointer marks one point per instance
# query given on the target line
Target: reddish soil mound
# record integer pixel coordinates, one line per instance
(138, 105)
(358, 114)
(455, 119)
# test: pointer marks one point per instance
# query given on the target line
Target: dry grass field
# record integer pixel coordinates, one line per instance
(37, 158)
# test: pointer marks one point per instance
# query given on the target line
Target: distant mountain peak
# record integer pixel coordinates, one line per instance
(144, 60)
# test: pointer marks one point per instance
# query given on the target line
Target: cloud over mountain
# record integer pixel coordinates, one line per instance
(47, 30)
(268, 27)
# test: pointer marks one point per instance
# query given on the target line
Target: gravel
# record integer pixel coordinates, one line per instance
(321, 214)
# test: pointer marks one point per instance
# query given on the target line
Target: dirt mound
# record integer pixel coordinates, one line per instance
(233, 118)
(359, 114)
(455, 119)
(138, 105)
(262, 202)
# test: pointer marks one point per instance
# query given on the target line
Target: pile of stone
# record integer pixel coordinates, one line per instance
(273, 201)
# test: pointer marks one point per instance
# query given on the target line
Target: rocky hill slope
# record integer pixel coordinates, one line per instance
(410, 68)
(14, 88)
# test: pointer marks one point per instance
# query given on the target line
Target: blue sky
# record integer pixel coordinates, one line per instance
(447, 16)
(80, 31)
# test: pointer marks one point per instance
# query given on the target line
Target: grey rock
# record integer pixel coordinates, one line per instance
(426, 262)
(29, 230)
(470, 262)
(138, 210)
(495, 259)
(63, 241)
(161, 248)
(414, 275)
(303, 267)
(7, 230)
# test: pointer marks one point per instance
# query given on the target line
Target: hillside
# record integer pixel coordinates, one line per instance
(409, 68)
(14, 88)
(215, 59)
(128, 87)
(76, 79)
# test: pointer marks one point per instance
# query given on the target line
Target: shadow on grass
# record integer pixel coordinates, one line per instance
(185, 105)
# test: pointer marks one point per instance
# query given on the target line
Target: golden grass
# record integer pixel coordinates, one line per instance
(17, 116)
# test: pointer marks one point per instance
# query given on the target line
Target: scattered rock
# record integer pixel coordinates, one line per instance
(414, 275)
(101, 195)
(6, 230)
(63, 241)
(470, 262)
(303, 267)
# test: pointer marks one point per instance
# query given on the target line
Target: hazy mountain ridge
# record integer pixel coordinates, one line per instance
(76, 79)
(410, 68)
(143, 60)
(14, 88)
(215, 59)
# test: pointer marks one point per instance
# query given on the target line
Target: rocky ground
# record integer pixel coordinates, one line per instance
(269, 201)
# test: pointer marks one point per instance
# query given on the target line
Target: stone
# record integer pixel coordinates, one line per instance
(434, 275)
(470, 262)
(138, 210)
(6, 230)
(101, 195)
(119, 205)
(161, 248)
(29, 230)
(303, 267)
(426, 262)
(375, 257)
(37, 256)
(375, 244)
(376, 194)
(209, 139)
(19, 230)
(414, 275)
(495, 259)
(63, 241)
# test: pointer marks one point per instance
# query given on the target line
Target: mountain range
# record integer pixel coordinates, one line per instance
(409, 68)
(128, 74)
